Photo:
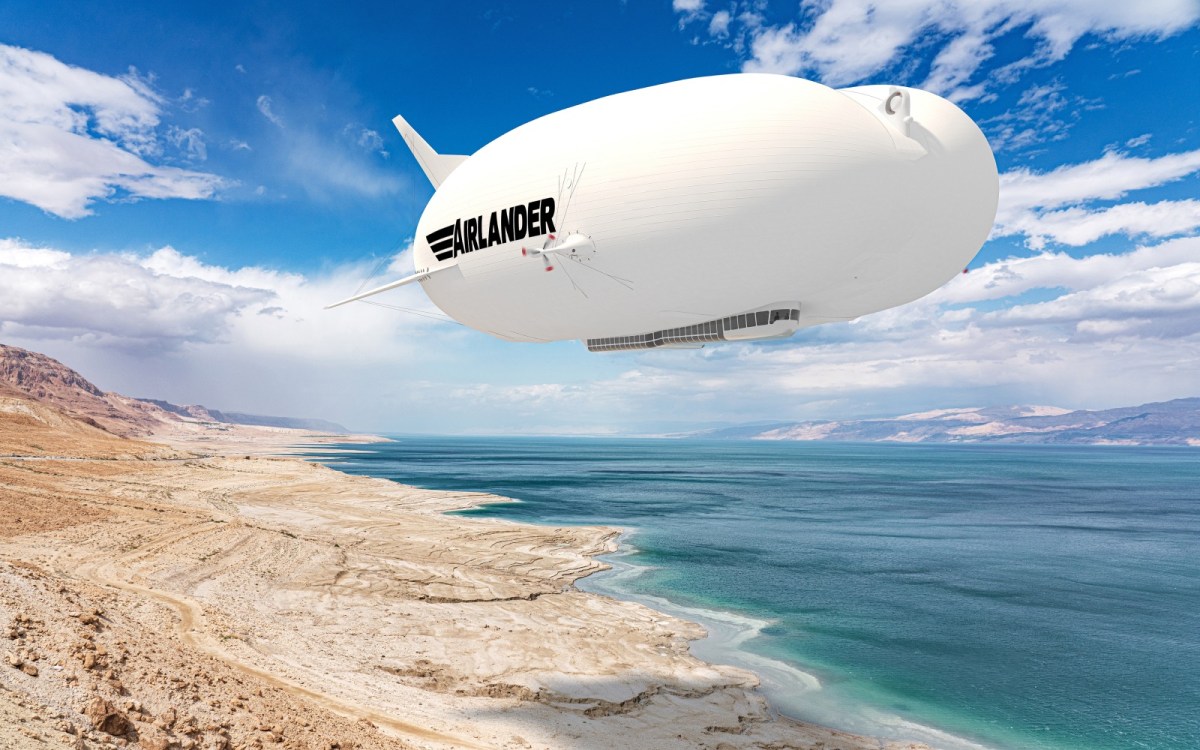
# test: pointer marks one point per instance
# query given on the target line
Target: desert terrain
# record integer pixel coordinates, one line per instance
(171, 582)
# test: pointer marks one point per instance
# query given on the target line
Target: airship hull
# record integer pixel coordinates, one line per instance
(676, 205)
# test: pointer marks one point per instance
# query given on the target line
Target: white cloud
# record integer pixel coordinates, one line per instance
(266, 107)
(1043, 113)
(70, 136)
(1058, 206)
(777, 49)
(1102, 330)
(167, 300)
(17, 254)
(365, 138)
(370, 140)
(689, 10)
(189, 101)
(1111, 176)
(169, 325)
(190, 142)
(529, 398)
(1012, 277)
(113, 299)
(845, 41)
(957, 62)
(1162, 302)
(718, 25)
(1080, 226)
(1117, 330)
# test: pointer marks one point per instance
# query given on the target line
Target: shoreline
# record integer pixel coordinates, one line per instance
(785, 686)
(721, 643)
(300, 603)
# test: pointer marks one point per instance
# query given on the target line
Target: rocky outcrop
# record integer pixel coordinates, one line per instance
(48, 381)
(40, 378)
(106, 718)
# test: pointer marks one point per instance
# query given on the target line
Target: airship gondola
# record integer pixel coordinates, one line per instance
(735, 207)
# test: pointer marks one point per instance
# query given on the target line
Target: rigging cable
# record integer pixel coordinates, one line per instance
(386, 259)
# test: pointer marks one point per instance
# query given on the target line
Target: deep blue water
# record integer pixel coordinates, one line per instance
(1016, 596)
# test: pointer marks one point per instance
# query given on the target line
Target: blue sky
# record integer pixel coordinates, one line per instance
(184, 186)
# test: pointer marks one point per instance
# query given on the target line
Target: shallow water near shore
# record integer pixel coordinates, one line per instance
(1007, 596)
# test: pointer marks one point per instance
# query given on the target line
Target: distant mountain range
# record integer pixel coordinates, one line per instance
(1166, 423)
(236, 417)
(35, 376)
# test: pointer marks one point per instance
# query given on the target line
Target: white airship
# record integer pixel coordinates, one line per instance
(732, 207)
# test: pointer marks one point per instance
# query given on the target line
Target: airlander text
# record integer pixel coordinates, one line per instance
(505, 225)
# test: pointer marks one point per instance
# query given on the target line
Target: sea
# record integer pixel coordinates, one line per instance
(967, 595)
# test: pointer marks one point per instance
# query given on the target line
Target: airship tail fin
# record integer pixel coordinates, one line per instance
(437, 167)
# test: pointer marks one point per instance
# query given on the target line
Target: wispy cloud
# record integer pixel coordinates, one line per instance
(690, 10)
(325, 159)
(1111, 176)
(190, 142)
(718, 25)
(1060, 205)
(267, 108)
(1015, 276)
(1044, 113)
(1081, 226)
(190, 101)
(365, 138)
(70, 136)
(845, 41)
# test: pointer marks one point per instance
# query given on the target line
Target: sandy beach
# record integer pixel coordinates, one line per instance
(195, 591)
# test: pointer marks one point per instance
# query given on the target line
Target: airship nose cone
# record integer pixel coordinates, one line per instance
(948, 190)
(963, 185)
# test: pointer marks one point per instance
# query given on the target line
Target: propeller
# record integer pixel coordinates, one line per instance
(542, 251)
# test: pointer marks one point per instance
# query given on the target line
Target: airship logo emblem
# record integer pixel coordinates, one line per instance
(518, 222)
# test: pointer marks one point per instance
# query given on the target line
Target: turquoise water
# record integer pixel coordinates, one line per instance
(1011, 596)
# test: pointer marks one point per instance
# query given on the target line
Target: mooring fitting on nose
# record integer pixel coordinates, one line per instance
(898, 105)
